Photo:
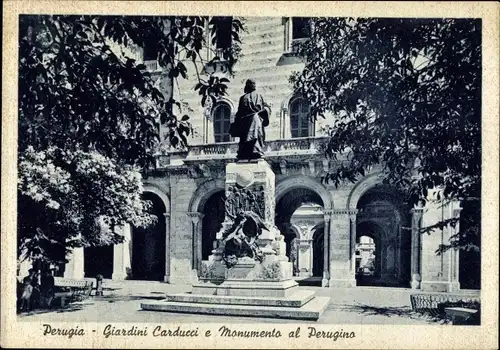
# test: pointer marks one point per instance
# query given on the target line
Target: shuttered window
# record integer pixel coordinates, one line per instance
(300, 122)
(222, 121)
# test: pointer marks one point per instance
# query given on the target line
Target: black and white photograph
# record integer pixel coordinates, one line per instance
(227, 170)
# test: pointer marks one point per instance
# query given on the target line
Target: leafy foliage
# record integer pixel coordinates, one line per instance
(89, 120)
(406, 93)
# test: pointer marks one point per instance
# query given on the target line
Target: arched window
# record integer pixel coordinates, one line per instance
(222, 120)
(300, 122)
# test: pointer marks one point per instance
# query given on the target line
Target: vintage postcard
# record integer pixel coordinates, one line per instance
(250, 174)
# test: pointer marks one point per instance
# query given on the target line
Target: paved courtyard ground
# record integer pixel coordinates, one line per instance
(121, 303)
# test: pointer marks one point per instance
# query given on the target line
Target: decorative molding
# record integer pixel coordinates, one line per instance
(344, 212)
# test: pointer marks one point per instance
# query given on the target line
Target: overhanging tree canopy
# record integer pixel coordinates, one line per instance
(406, 94)
(89, 119)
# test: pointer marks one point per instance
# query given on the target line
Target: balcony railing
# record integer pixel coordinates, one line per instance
(152, 66)
(306, 146)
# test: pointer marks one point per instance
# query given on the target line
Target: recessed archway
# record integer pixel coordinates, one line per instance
(98, 261)
(148, 244)
(301, 205)
(382, 214)
(318, 247)
(214, 211)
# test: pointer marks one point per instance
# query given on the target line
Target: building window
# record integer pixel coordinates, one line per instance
(224, 39)
(150, 53)
(297, 30)
(300, 28)
(300, 120)
(150, 57)
(222, 120)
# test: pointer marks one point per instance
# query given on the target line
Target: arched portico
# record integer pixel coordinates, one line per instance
(128, 255)
(300, 181)
(206, 212)
(381, 215)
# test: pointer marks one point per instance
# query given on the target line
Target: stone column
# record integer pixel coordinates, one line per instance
(305, 257)
(437, 270)
(121, 255)
(341, 274)
(196, 220)
(75, 265)
(397, 252)
(166, 278)
(352, 218)
(326, 249)
(415, 247)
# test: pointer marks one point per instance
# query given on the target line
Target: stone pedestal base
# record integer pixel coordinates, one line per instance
(247, 288)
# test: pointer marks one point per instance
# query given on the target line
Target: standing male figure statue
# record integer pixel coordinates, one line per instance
(249, 123)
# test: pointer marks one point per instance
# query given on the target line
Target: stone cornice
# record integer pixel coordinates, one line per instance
(333, 212)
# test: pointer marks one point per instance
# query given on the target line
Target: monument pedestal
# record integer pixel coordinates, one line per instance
(248, 273)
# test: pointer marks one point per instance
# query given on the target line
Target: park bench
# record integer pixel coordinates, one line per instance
(459, 308)
(68, 290)
(462, 315)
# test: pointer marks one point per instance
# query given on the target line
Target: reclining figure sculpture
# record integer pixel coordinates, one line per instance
(241, 239)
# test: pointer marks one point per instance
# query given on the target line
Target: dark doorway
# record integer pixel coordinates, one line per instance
(318, 252)
(214, 211)
(148, 244)
(98, 261)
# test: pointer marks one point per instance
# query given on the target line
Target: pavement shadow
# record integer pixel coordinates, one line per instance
(68, 308)
(392, 311)
(117, 298)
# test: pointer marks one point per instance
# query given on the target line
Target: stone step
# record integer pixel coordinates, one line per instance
(298, 299)
(246, 288)
(310, 311)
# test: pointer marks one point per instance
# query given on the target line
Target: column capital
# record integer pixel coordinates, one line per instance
(352, 217)
(166, 215)
(195, 217)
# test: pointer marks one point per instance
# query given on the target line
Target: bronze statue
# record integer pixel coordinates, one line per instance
(249, 123)
(240, 240)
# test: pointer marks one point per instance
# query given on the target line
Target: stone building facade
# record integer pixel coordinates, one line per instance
(320, 222)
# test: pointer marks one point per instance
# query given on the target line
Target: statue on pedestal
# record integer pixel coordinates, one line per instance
(249, 123)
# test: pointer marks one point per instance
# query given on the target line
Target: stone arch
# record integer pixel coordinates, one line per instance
(301, 181)
(296, 231)
(157, 190)
(228, 101)
(361, 187)
(204, 192)
(285, 104)
(317, 227)
(373, 223)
